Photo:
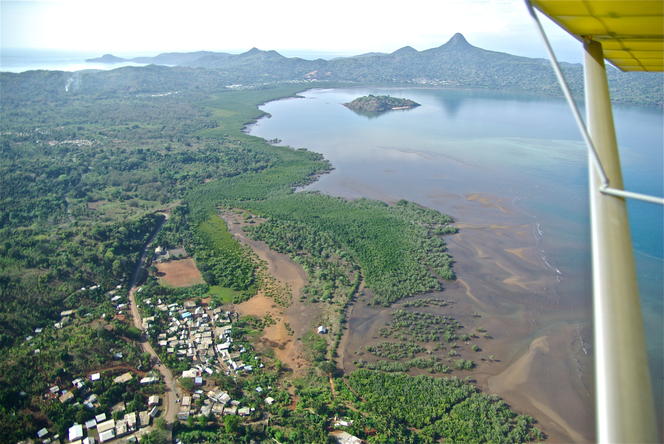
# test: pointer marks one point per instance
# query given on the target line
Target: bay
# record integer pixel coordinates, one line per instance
(518, 151)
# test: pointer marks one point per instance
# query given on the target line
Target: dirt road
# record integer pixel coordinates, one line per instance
(172, 393)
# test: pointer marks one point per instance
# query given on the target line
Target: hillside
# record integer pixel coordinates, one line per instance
(456, 64)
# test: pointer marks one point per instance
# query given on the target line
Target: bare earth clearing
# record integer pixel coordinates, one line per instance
(179, 273)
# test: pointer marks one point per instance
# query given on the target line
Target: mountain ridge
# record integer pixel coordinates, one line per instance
(455, 64)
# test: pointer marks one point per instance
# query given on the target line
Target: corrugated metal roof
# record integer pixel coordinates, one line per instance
(631, 31)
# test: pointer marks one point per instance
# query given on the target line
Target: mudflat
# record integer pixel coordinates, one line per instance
(537, 356)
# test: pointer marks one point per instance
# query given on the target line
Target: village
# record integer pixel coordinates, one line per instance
(199, 341)
(203, 337)
(190, 332)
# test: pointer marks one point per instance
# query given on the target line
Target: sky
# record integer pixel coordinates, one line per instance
(339, 27)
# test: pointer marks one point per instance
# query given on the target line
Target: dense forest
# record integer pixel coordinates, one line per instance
(87, 177)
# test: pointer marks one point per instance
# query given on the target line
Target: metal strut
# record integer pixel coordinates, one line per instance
(624, 404)
(605, 184)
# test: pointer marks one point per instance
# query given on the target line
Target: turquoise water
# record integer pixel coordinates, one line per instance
(523, 149)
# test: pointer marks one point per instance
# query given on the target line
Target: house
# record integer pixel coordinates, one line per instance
(100, 417)
(125, 377)
(269, 400)
(345, 438)
(149, 380)
(105, 426)
(186, 401)
(120, 428)
(322, 330)
(66, 397)
(153, 400)
(232, 410)
(191, 373)
(90, 424)
(244, 411)
(75, 432)
(95, 377)
(41, 433)
(89, 440)
(131, 420)
(107, 435)
(144, 418)
(154, 412)
(90, 401)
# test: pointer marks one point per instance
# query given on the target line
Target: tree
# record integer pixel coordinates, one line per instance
(231, 423)
(156, 436)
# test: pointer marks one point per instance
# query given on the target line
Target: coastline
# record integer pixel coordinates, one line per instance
(540, 366)
(543, 367)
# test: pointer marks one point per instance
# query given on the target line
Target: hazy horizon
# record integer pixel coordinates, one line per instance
(293, 28)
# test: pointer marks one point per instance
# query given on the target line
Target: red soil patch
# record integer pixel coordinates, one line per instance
(179, 273)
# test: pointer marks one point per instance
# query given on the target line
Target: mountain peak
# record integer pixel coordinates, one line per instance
(405, 50)
(458, 40)
(253, 50)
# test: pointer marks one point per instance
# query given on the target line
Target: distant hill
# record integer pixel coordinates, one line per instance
(456, 64)
(106, 58)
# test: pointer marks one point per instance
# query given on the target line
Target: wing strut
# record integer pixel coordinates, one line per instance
(624, 407)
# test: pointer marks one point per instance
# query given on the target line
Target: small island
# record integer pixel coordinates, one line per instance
(379, 104)
(106, 58)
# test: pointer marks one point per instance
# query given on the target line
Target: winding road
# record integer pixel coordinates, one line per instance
(172, 392)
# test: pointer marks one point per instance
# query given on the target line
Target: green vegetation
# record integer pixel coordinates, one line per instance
(426, 302)
(395, 246)
(425, 409)
(223, 295)
(421, 327)
(433, 364)
(85, 172)
(222, 260)
(393, 350)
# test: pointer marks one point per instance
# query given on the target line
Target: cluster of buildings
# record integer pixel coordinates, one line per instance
(79, 389)
(200, 335)
(100, 429)
(110, 429)
(203, 337)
